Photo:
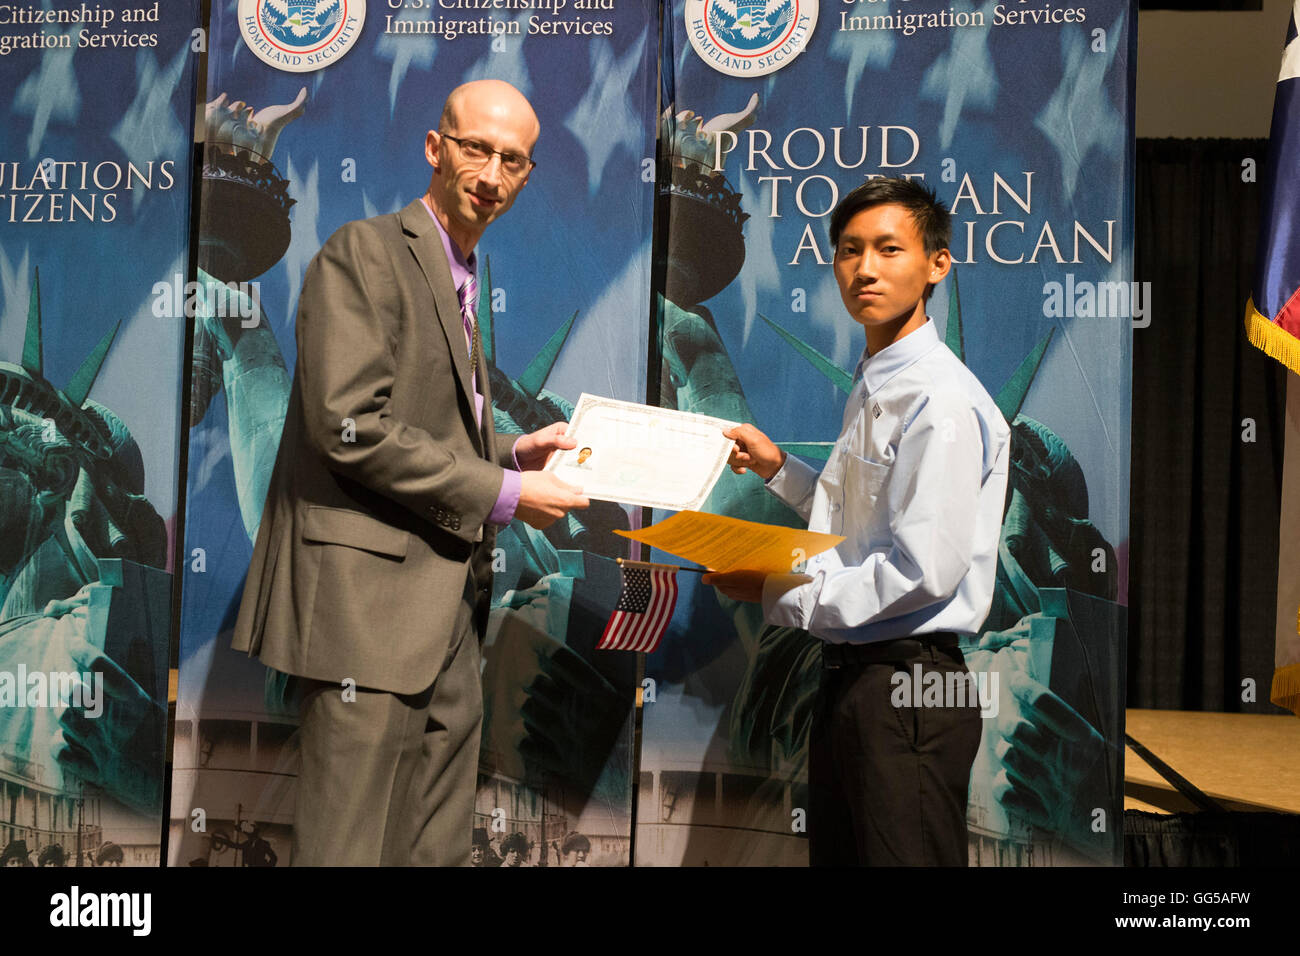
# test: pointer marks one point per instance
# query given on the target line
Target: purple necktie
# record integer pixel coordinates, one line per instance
(468, 294)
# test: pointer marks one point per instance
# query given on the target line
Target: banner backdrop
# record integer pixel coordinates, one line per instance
(1019, 114)
(94, 203)
(316, 119)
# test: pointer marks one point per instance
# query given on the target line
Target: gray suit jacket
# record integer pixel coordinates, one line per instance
(376, 511)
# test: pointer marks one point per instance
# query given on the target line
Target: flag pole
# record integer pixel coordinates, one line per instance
(629, 563)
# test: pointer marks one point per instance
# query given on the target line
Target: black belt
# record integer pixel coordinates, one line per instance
(904, 648)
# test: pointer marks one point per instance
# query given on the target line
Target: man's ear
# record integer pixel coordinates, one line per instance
(431, 143)
(940, 263)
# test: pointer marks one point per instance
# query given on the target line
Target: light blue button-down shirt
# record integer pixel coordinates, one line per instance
(915, 484)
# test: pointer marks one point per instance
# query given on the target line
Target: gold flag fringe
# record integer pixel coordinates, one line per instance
(1274, 340)
(1286, 688)
(1278, 343)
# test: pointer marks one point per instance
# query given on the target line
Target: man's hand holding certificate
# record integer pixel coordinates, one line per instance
(641, 455)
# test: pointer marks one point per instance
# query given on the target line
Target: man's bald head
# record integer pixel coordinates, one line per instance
(481, 154)
(487, 98)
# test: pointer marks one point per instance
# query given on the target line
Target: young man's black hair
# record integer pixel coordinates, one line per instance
(933, 221)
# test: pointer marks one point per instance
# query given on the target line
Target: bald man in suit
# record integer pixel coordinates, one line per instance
(371, 574)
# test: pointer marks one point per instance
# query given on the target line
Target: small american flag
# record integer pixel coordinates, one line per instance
(644, 609)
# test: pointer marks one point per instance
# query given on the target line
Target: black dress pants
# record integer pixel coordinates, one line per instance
(888, 783)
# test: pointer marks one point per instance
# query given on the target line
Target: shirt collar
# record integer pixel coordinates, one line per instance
(461, 268)
(878, 369)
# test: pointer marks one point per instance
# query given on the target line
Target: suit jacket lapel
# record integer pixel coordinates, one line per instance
(426, 246)
(487, 429)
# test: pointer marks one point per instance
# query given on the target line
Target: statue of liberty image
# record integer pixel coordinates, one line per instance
(82, 553)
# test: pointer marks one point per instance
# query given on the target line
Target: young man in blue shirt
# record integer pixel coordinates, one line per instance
(915, 483)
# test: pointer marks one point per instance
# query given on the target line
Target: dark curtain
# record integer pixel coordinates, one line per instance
(1211, 839)
(1205, 501)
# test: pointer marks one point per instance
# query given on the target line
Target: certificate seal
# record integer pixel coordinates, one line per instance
(750, 37)
(300, 36)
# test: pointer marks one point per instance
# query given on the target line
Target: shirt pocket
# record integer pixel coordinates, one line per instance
(863, 482)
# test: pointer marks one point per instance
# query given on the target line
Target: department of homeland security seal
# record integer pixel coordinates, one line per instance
(299, 36)
(750, 37)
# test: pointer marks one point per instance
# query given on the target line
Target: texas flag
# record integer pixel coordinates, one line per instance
(1273, 324)
(1273, 312)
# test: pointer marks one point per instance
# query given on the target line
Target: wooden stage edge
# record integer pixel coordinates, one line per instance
(1247, 762)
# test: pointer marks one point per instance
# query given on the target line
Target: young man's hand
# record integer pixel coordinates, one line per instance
(533, 450)
(754, 452)
(738, 585)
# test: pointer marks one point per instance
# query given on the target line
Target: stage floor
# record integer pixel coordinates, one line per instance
(1245, 761)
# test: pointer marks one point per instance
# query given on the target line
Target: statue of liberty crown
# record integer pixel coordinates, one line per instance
(707, 247)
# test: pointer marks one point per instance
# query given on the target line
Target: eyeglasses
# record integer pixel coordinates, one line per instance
(478, 154)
